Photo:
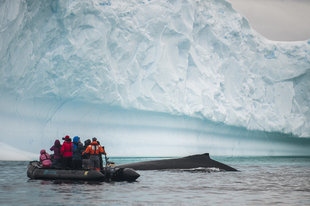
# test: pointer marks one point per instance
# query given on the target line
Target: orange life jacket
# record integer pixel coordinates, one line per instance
(94, 149)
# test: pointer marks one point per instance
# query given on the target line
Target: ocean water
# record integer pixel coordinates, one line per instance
(261, 181)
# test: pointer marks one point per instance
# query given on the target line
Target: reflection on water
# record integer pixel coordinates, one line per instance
(262, 181)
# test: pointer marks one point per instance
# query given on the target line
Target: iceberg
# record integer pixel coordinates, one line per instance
(150, 78)
(9, 153)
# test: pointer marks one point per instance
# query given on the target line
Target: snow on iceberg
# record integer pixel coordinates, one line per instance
(198, 59)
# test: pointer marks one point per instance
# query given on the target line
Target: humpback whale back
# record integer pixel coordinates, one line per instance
(189, 162)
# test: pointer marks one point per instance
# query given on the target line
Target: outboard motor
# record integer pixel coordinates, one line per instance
(124, 174)
(108, 173)
(118, 174)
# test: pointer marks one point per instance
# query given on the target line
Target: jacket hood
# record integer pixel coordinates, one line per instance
(87, 142)
(42, 151)
(76, 139)
(57, 142)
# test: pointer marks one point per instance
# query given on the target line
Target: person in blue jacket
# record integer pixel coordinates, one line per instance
(77, 153)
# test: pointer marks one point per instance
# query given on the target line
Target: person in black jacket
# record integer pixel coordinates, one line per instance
(77, 153)
(100, 158)
(85, 157)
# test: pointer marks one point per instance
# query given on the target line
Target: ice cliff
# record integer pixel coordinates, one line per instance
(78, 66)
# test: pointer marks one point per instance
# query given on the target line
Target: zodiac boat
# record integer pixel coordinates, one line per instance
(35, 171)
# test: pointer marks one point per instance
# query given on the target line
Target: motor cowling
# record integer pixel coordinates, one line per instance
(125, 174)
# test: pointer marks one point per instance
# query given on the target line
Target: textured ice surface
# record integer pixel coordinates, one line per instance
(194, 59)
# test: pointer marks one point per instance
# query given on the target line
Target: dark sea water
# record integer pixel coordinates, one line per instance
(261, 181)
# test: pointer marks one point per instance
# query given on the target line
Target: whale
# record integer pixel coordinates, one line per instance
(188, 162)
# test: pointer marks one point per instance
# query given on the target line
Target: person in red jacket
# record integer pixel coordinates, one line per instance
(66, 152)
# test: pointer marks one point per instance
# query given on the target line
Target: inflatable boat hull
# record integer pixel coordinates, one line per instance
(35, 171)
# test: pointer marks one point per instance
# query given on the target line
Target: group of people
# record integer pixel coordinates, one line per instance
(74, 155)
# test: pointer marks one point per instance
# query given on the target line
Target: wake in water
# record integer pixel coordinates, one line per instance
(203, 170)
